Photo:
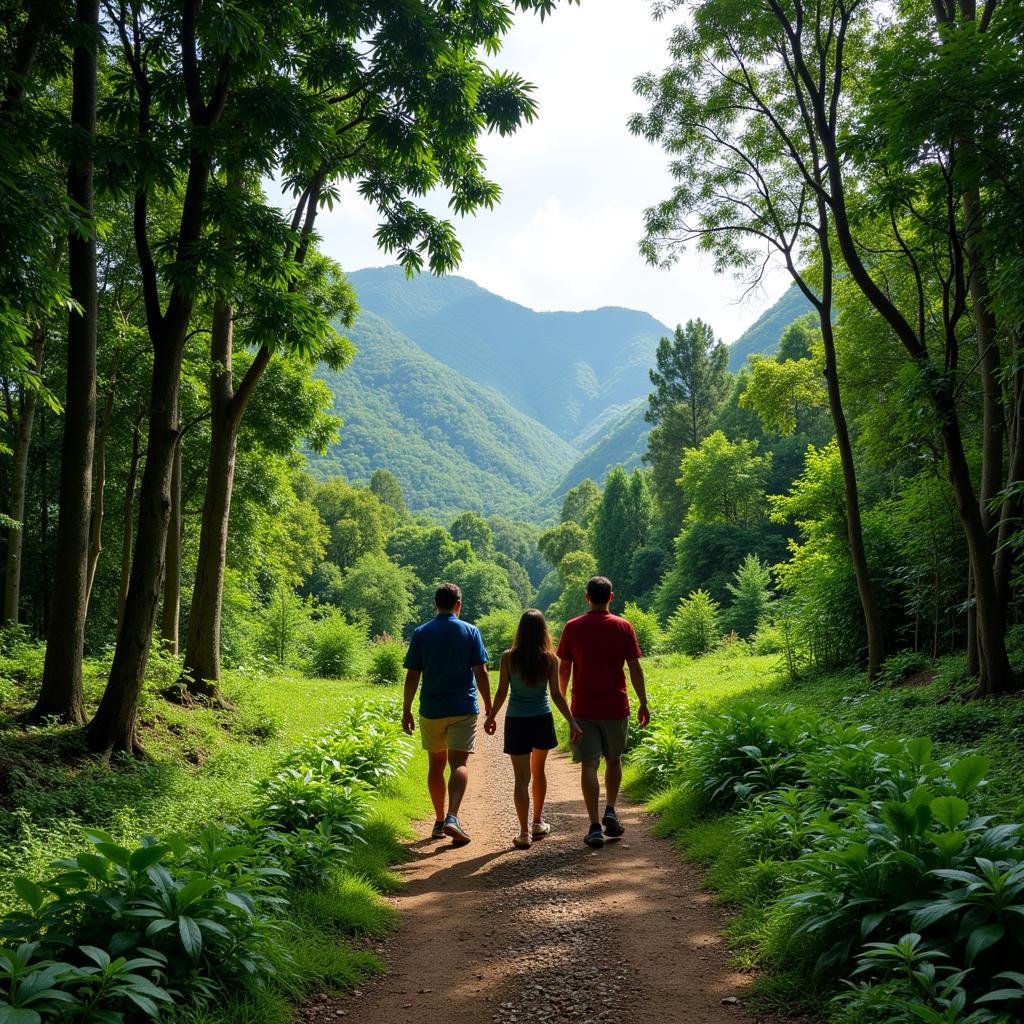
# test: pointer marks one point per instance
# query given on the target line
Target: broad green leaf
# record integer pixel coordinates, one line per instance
(920, 750)
(968, 773)
(13, 1015)
(191, 936)
(29, 892)
(949, 811)
(981, 938)
(145, 857)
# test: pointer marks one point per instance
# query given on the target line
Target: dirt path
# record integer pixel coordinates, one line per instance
(490, 933)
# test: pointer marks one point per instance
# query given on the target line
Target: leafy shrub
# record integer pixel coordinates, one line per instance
(646, 626)
(336, 646)
(694, 627)
(751, 596)
(661, 755)
(147, 923)
(883, 856)
(768, 639)
(367, 745)
(898, 668)
(499, 631)
(258, 725)
(386, 662)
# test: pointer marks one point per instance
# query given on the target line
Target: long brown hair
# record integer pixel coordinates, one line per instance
(532, 651)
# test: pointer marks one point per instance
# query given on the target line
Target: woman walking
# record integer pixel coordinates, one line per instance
(529, 670)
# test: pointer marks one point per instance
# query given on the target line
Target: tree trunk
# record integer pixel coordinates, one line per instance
(61, 692)
(19, 479)
(227, 407)
(114, 727)
(1010, 513)
(172, 562)
(96, 528)
(202, 647)
(42, 616)
(995, 674)
(851, 499)
(128, 517)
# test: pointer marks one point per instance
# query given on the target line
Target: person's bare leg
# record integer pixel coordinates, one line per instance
(612, 780)
(591, 789)
(458, 777)
(435, 781)
(538, 760)
(521, 790)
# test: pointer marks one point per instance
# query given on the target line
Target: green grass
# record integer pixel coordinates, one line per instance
(938, 705)
(201, 765)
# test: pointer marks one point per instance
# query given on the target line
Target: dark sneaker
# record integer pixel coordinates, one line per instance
(438, 830)
(612, 826)
(595, 837)
(452, 828)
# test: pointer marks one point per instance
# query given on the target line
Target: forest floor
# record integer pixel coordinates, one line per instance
(559, 931)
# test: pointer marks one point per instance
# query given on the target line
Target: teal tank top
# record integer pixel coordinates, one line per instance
(525, 701)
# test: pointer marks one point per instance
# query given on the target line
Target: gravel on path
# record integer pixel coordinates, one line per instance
(494, 934)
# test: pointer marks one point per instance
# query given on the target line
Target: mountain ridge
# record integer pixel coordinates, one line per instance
(563, 368)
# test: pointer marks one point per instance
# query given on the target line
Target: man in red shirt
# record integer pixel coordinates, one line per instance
(593, 651)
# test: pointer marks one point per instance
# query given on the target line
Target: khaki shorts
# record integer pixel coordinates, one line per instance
(600, 739)
(457, 732)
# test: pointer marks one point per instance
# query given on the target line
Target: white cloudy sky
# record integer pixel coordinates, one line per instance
(575, 184)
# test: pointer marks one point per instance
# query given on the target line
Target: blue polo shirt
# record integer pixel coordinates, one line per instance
(445, 650)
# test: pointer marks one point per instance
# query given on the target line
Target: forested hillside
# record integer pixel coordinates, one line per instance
(761, 338)
(563, 369)
(452, 442)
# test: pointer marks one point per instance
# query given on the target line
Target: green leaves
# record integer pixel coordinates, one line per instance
(949, 811)
(968, 773)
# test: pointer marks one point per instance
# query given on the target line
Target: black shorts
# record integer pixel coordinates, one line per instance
(534, 732)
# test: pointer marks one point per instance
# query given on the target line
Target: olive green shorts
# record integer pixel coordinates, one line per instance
(605, 739)
(457, 732)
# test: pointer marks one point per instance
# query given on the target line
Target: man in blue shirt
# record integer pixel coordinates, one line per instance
(450, 657)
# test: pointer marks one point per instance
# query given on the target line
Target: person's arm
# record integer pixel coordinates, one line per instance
(490, 725)
(564, 675)
(483, 684)
(636, 677)
(558, 699)
(412, 682)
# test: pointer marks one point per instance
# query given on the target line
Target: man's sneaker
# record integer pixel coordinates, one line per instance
(540, 829)
(438, 830)
(522, 841)
(595, 837)
(612, 826)
(452, 828)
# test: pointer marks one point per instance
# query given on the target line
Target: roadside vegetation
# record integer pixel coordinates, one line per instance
(235, 869)
(866, 833)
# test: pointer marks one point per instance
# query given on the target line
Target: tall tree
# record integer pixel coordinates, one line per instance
(211, 53)
(918, 219)
(61, 692)
(579, 503)
(621, 526)
(400, 116)
(384, 484)
(691, 380)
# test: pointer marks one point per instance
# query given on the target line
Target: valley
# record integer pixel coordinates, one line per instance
(475, 402)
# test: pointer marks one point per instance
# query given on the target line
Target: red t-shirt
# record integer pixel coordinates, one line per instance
(599, 644)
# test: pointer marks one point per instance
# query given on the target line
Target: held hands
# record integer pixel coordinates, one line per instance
(575, 732)
(408, 722)
(490, 725)
(643, 716)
